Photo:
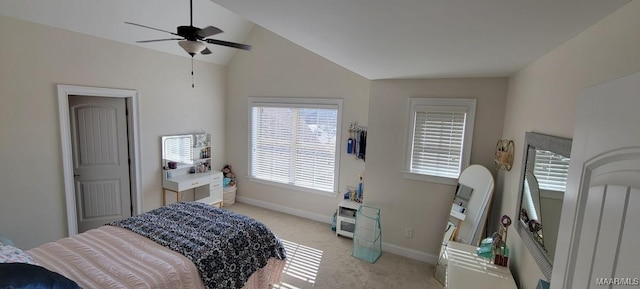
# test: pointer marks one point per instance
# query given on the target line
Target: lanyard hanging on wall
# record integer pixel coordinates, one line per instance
(357, 142)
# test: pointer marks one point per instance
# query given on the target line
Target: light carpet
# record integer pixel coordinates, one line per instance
(317, 258)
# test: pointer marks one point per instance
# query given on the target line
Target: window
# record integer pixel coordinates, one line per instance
(551, 170)
(294, 141)
(439, 138)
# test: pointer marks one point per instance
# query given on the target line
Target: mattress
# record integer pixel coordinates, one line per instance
(113, 257)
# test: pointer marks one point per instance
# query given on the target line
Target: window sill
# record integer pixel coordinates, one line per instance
(293, 187)
(429, 179)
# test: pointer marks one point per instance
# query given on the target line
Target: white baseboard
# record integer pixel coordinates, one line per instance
(410, 253)
(398, 250)
(287, 210)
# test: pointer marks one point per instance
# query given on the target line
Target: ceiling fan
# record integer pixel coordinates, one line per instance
(192, 38)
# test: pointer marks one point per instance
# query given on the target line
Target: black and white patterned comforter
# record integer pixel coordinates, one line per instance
(226, 247)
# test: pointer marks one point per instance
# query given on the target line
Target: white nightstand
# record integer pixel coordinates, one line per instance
(346, 219)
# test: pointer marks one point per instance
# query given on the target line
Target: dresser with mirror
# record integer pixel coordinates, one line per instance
(186, 166)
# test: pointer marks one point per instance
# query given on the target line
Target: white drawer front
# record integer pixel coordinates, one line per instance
(196, 181)
(217, 193)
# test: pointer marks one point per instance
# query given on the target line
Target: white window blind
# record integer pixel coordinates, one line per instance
(437, 143)
(295, 143)
(441, 131)
(551, 170)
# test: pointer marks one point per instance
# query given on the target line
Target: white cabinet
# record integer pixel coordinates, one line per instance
(346, 218)
(467, 270)
(207, 186)
(213, 192)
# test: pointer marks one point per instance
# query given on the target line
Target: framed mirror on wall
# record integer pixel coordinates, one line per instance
(543, 178)
(177, 151)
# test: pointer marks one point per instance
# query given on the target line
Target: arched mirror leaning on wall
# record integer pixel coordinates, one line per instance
(542, 185)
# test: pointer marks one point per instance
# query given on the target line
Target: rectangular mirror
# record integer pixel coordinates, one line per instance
(178, 149)
(542, 185)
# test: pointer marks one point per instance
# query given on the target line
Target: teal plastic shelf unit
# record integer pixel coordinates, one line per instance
(367, 236)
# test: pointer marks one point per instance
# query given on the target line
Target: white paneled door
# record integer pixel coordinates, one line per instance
(598, 239)
(100, 159)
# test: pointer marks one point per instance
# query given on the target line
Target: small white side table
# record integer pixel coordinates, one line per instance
(346, 219)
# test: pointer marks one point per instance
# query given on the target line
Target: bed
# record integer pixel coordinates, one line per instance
(182, 245)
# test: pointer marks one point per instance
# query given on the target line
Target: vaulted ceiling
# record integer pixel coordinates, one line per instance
(377, 39)
(105, 19)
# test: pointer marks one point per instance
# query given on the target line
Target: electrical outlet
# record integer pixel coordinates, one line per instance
(408, 232)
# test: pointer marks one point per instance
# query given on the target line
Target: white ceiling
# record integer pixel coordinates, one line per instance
(426, 38)
(377, 39)
(105, 19)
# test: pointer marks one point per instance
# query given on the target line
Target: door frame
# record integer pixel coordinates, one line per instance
(133, 135)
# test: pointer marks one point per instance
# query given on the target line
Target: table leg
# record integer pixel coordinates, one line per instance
(164, 197)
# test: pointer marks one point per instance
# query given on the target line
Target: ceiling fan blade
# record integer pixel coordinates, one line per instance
(208, 31)
(206, 51)
(156, 40)
(229, 44)
(131, 23)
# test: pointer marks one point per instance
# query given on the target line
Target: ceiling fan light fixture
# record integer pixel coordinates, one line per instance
(192, 47)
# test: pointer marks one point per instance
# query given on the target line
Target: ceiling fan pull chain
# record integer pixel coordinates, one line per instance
(192, 85)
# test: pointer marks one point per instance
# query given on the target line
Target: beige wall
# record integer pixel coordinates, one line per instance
(542, 98)
(276, 67)
(33, 59)
(423, 206)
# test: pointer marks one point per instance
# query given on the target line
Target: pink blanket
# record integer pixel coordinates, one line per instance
(112, 257)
